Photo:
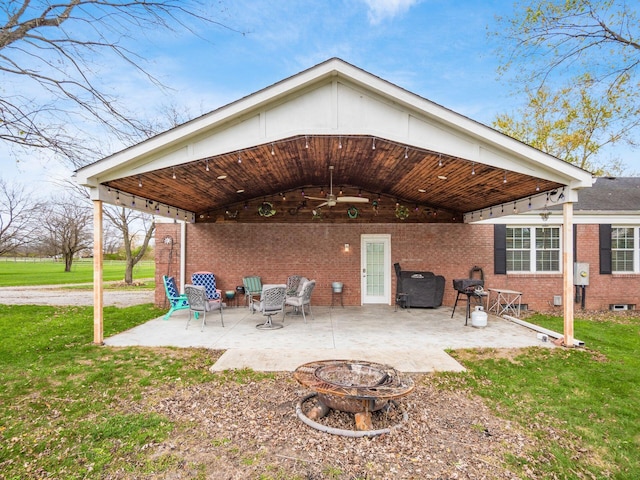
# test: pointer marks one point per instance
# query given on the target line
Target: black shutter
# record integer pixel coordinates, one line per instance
(575, 243)
(605, 249)
(500, 249)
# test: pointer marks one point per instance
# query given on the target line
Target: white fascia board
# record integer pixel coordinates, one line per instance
(556, 219)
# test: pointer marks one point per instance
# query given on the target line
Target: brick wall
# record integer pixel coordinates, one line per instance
(316, 250)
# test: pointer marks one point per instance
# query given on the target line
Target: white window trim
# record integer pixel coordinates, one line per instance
(533, 251)
(636, 250)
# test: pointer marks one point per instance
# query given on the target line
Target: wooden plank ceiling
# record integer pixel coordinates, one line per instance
(266, 183)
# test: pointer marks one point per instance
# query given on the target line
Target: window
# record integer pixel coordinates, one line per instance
(533, 249)
(624, 249)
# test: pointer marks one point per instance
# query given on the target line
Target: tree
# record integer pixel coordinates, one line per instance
(124, 220)
(52, 56)
(585, 54)
(66, 228)
(18, 210)
(570, 125)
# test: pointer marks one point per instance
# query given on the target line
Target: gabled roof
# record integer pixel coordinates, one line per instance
(382, 140)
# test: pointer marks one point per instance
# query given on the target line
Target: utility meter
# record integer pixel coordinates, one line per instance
(581, 274)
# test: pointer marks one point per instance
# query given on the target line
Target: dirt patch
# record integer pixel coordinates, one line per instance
(238, 431)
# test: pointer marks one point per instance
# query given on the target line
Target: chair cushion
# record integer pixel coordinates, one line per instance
(208, 281)
(172, 290)
(303, 282)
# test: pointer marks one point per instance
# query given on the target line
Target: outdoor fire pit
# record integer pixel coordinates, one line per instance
(357, 387)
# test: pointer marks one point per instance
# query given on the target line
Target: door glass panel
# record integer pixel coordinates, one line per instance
(375, 269)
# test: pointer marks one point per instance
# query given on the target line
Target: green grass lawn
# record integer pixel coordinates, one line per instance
(583, 403)
(18, 273)
(62, 415)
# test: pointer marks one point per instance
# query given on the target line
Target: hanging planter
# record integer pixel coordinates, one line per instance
(317, 214)
(352, 212)
(402, 212)
(266, 210)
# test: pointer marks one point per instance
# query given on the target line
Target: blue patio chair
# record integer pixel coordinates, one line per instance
(208, 281)
(176, 300)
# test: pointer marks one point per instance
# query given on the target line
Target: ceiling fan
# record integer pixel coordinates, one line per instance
(331, 200)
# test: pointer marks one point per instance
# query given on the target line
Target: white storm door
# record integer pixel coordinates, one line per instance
(375, 268)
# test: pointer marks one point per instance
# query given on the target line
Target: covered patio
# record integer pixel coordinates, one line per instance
(412, 340)
(330, 157)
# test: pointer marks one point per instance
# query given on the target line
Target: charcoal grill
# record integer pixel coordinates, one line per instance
(473, 289)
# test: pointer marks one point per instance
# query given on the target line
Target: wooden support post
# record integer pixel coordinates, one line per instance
(98, 302)
(567, 267)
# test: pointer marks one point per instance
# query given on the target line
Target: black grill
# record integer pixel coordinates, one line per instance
(465, 284)
(473, 288)
(419, 289)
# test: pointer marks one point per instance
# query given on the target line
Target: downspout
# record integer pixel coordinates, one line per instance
(183, 253)
(567, 268)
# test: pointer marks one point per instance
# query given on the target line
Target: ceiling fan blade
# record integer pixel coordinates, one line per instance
(315, 198)
(352, 200)
(322, 204)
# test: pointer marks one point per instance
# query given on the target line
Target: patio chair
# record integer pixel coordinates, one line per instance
(271, 302)
(176, 300)
(200, 304)
(303, 298)
(293, 284)
(252, 288)
(208, 281)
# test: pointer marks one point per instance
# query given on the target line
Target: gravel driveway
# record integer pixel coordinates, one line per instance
(63, 295)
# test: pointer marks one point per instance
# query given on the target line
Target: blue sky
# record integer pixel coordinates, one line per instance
(438, 49)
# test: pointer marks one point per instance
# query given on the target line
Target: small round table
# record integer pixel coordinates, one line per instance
(231, 296)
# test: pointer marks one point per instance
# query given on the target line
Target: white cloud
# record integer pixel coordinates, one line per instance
(380, 10)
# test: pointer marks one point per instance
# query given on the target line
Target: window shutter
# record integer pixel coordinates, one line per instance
(500, 249)
(575, 243)
(605, 249)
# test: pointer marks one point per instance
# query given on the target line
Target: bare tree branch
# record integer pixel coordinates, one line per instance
(585, 52)
(18, 212)
(56, 49)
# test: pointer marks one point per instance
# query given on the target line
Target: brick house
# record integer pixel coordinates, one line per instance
(337, 174)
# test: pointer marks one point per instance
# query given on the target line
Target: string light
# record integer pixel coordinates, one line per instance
(504, 179)
(406, 152)
(207, 165)
(439, 159)
(139, 181)
(473, 168)
(340, 142)
(373, 144)
(273, 152)
(174, 172)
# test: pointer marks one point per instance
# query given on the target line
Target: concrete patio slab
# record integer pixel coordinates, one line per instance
(411, 340)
